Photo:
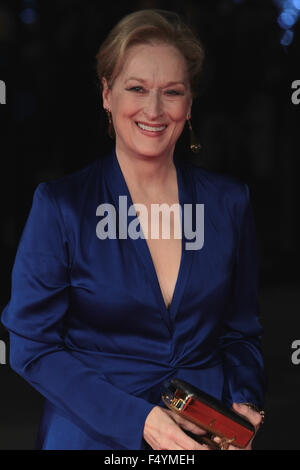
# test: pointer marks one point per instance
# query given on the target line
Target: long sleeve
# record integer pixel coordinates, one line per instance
(36, 319)
(241, 335)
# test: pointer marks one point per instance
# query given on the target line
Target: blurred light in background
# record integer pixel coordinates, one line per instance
(28, 15)
(287, 18)
(296, 4)
(289, 14)
(287, 37)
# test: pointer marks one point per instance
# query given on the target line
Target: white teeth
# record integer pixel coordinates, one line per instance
(152, 129)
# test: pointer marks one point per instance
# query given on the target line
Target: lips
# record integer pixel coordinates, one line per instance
(151, 127)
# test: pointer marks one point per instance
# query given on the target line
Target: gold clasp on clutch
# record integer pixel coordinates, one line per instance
(176, 402)
(225, 443)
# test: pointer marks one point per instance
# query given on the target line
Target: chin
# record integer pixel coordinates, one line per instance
(151, 150)
(150, 154)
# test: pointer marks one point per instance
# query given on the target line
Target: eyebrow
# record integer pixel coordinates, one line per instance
(145, 81)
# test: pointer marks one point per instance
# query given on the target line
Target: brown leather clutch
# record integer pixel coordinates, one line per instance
(209, 413)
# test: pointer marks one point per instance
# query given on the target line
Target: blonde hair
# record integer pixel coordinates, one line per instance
(144, 27)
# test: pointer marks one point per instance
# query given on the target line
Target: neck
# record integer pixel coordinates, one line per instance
(148, 175)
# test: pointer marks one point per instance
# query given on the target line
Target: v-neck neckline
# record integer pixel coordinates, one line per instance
(185, 195)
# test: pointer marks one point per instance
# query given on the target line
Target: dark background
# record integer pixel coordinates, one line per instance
(53, 124)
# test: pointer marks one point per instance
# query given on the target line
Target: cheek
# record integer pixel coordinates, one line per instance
(124, 112)
(178, 113)
(126, 107)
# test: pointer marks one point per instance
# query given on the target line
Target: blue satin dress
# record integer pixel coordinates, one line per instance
(89, 328)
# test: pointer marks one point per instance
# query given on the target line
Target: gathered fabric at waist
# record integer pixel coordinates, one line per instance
(144, 377)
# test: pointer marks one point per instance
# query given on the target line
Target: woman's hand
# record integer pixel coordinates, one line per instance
(253, 416)
(163, 431)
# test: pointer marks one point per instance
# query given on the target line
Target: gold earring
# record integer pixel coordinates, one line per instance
(111, 130)
(195, 146)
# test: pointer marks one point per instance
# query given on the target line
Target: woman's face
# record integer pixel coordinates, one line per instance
(150, 100)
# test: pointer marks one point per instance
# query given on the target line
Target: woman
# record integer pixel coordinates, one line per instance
(100, 317)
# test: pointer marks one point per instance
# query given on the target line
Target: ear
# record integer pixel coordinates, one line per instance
(106, 94)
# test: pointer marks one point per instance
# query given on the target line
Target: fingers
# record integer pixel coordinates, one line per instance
(162, 432)
(187, 425)
(253, 416)
(188, 443)
(230, 447)
(177, 439)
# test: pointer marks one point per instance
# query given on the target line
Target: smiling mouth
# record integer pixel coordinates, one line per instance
(153, 128)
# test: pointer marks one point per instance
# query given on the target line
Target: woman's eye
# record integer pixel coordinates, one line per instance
(138, 89)
(174, 92)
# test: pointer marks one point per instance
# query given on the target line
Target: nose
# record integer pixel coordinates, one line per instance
(153, 106)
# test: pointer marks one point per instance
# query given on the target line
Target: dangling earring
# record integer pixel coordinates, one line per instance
(194, 144)
(111, 130)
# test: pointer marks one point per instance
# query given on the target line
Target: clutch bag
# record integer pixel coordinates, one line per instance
(209, 413)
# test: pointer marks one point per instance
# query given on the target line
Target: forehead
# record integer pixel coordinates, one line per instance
(154, 62)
